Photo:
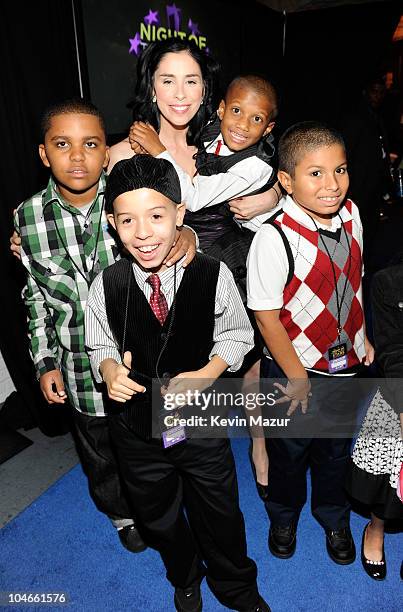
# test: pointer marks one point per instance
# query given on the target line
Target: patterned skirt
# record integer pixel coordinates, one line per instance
(376, 461)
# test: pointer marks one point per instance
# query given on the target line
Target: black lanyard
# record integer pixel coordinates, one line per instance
(91, 272)
(343, 295)
(168, 334)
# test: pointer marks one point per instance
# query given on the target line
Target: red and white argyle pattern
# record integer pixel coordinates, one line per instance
(309, 313)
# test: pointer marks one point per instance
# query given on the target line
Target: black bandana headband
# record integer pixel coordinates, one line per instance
(142, 172)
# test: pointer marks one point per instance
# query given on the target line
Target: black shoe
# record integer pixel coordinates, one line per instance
(131, 539)
(261, 606)
(375, 569)
(283, 540)
(188, 600)
(340, 545)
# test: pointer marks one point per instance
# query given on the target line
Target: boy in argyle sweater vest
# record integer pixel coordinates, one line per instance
(304, 284)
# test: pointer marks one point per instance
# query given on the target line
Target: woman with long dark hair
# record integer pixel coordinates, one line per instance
(176, 93)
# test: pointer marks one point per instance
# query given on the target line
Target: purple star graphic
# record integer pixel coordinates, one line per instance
(134, 44)
(174, 12)
(152, 17)
(193, 27)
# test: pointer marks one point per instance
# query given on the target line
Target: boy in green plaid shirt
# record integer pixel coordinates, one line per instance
(65, 243)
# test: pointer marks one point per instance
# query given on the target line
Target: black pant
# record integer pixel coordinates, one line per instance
(328, 458)
(197, 477)
(289, 460)
(99, 462)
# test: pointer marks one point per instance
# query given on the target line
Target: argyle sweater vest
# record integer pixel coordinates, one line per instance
(190, 339)
(309, 312)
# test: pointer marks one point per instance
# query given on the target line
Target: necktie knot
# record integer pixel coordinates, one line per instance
(158, 302)
(155, 282)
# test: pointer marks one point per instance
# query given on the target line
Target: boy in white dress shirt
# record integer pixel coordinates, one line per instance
(196, 327)
(304, 284)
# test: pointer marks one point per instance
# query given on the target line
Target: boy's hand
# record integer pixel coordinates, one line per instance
(137, 149)
(116, 376)
(52, 387)
(369, 352)
(15, 245)
(297, 392)
(144, 135)
(188, 381)
(185, 244)
(247, 207)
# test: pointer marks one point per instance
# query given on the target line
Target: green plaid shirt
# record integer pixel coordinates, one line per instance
(62, 258)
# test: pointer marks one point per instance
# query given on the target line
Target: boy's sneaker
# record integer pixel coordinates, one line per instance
(131, 539)
(189, 599)
(283, 540)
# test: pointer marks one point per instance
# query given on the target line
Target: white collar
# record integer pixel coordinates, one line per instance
(212, 146)
(298, 214)
(166, 277)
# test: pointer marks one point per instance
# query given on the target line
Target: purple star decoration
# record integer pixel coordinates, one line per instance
(134, 44)
(193, 27)
(151, 18)
(174, 12)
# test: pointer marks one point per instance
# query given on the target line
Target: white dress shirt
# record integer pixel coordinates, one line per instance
(233, 333)
(242, 178)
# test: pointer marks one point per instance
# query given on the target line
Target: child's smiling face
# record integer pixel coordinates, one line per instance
(146, 222)
(320, 181)
(245, 117)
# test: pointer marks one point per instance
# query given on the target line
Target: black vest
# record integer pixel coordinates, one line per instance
(212, 222)
(190, 333)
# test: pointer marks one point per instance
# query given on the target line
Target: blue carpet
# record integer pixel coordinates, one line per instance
(62, 543)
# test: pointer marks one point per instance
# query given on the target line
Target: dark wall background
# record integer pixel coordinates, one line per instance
(328, 53)
(38, 65)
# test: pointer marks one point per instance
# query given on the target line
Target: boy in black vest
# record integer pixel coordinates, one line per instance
(170, 322)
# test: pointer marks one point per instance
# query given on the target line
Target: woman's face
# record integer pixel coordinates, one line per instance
(179, 88)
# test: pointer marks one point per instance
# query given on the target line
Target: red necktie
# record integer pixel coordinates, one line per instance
(158, 302)
(218, 147)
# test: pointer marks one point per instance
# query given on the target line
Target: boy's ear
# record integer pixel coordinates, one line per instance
(107, 158)
(111, 220)
(269, 128)
(43, 156)
(221, 110)
(180, 213)
(285, 180)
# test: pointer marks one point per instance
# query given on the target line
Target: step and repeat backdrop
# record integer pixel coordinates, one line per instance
(115, 34)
